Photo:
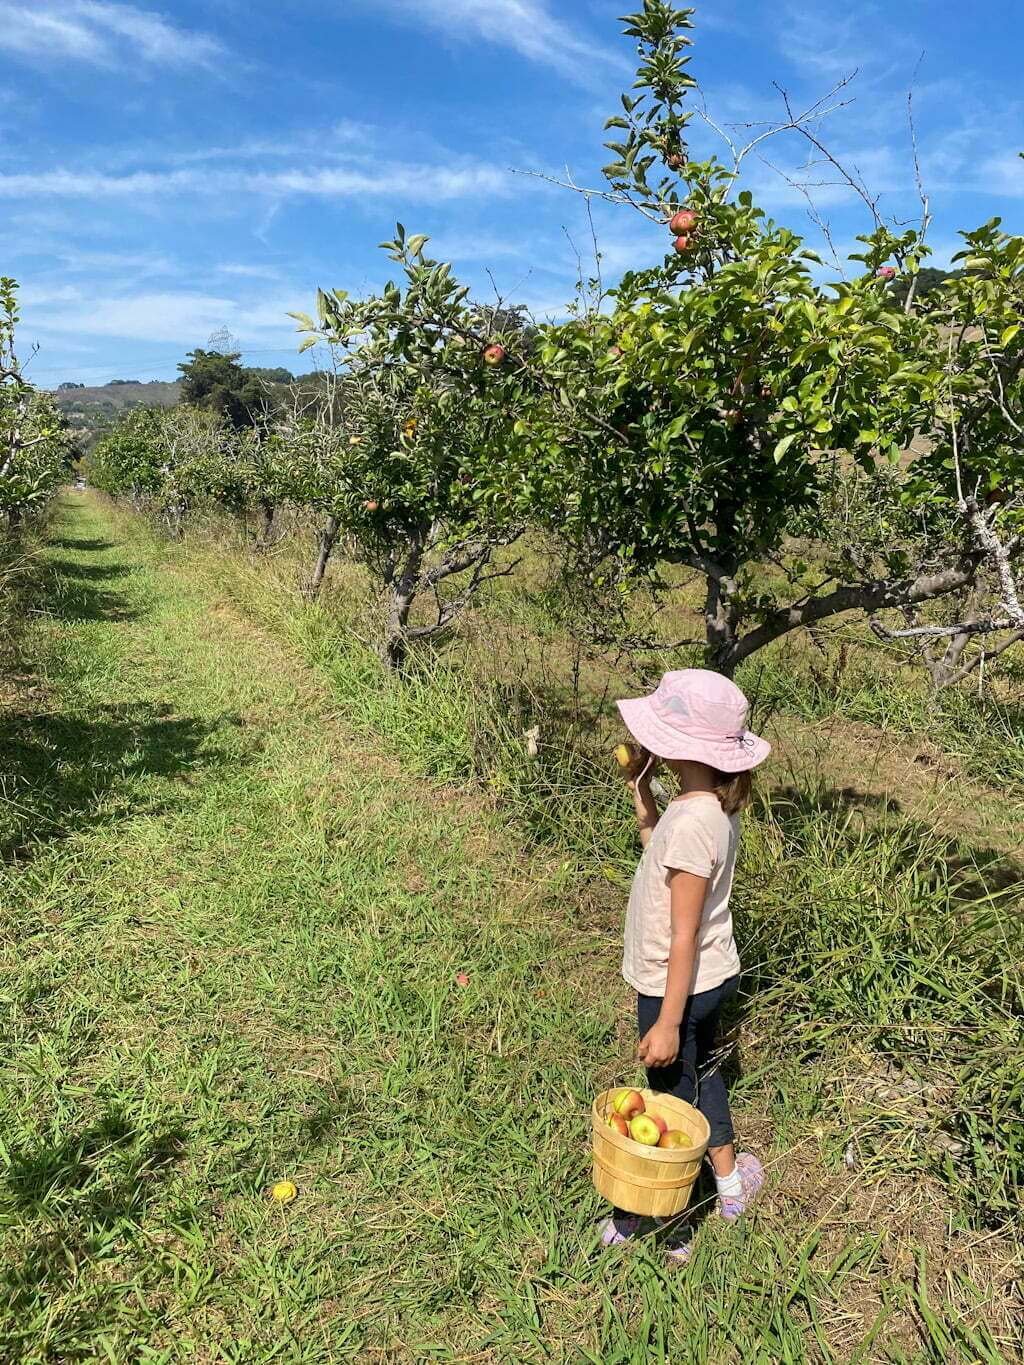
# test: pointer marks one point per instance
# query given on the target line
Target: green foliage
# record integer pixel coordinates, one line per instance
(127, 460)
(216, 382)
(36, 450)
(408, 455)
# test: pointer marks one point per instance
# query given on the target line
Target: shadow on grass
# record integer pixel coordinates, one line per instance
(972, 872)
(63, 569)
(80, 543)
(75, 1190)
(63, 773)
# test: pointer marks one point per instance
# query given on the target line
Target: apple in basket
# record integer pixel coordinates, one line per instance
(617, 1122)
(628, 1103)
(647, 1130)
(675, 1137)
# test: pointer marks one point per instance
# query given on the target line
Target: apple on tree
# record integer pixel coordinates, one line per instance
(494, 354)
(681, 224)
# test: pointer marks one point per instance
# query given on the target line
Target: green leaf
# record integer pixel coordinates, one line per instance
(784, 445)
(1009, 334)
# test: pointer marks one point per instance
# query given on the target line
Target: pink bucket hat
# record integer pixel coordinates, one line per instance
(699, 715)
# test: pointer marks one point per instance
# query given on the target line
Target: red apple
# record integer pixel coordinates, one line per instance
(886, 272)
(617, 1122)
(682, 222)
(675, 1137)
(681, 244)
(371, 505)
(614, 352)
(656, 1118)
(644, 1130)
(494, 355)
(628, 1103)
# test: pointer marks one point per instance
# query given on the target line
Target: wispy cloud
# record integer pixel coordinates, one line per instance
(177, 317)
(526, 26)
(423, 184)
(100, 33)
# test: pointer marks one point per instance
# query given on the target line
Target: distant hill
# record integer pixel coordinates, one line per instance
(89, 409)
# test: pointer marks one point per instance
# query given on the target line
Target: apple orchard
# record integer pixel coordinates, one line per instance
(799, 448)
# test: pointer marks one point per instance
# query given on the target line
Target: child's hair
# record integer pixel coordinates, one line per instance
(734, 790)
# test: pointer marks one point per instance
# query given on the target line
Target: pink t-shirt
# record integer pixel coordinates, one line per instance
(693, 835)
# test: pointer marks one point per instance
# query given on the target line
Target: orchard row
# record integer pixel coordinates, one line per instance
(806, 446)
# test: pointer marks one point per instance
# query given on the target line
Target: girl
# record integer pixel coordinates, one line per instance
(680, 955)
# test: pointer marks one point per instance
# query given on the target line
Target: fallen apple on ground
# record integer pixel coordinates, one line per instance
(624, 755)
(645, 1130)
(628, 1103)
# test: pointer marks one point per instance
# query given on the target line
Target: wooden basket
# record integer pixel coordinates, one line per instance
(653, 1181)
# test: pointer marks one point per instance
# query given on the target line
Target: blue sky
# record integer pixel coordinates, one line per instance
(170, 170)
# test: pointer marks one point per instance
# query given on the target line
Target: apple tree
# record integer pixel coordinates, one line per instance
(967, 484)
(727, 402)
(410, 472)
(36, 449)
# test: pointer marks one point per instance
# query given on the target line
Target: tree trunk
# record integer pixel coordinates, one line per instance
(720, 627)
(263, 536)
(403, 595)
(328, 539)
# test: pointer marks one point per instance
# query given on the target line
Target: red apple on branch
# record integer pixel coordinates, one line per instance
(494, 354)
(886, 272)
(682, 222)
(681, 245)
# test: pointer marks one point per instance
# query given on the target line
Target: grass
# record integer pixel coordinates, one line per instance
(242, 872)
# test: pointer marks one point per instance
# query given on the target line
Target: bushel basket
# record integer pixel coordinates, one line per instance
(653, 1181)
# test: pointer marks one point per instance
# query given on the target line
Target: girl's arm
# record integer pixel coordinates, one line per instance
(660, 1044)
(645, 806)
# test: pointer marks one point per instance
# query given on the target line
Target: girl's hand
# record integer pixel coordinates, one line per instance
(659, 1047)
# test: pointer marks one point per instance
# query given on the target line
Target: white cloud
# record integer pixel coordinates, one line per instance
(1003, 175)
(100, 33)
(185, 317)
(424, 184)
(526, 26)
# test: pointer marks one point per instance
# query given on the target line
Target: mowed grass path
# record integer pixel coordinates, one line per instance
(231, 950)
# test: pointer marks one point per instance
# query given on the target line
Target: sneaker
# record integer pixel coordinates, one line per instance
(677, 1243)
(752, 1177)
(623, 1227)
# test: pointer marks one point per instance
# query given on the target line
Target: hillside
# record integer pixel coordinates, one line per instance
(90, 408)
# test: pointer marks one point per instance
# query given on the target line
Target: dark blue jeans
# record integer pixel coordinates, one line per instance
(694, 1076)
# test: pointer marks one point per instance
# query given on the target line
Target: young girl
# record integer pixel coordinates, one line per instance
(680, 955)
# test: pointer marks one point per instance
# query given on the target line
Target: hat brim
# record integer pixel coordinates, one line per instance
(665, 741)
